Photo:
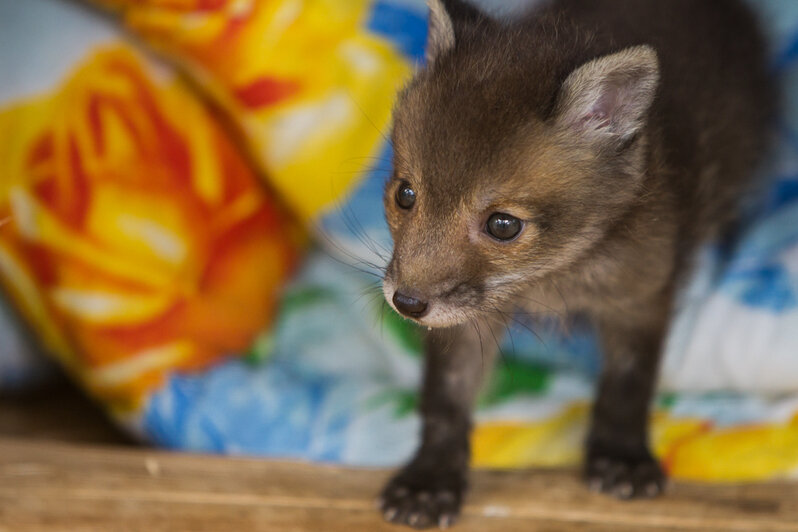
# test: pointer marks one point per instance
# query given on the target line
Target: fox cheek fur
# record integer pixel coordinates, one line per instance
(569, 161)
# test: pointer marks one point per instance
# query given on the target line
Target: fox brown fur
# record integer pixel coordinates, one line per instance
(618, 135)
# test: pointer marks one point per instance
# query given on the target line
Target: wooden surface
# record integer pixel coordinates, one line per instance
(49, 486)
(51, 478)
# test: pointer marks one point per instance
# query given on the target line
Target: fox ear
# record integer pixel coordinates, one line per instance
(607, 99)
(445, 17)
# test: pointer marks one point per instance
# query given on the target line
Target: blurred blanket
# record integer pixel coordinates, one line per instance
(156, 207)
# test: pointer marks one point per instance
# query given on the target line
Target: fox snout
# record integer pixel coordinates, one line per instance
(430, 301)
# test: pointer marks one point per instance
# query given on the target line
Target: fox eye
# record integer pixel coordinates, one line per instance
(405, 196)
(503, 226)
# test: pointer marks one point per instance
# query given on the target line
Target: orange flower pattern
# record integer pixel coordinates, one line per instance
(139, 241)
(306, 82)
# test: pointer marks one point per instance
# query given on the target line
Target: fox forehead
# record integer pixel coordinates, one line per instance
(480, 170)
(444, 134)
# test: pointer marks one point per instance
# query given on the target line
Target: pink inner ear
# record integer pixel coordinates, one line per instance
(597, 118)
(611, 95)
(602, 113)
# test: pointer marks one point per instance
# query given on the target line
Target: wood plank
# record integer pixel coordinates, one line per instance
(49, 486)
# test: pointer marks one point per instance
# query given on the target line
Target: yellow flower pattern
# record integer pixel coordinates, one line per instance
(309, 88)
(139, 241)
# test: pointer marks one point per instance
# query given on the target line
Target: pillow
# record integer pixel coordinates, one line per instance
(139, 241)
(310, 85)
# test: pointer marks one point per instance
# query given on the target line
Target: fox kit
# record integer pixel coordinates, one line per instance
(569, 161)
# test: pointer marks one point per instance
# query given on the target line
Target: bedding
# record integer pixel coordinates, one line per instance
(193, 228)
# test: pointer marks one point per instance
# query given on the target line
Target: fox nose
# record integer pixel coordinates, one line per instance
(409, 306)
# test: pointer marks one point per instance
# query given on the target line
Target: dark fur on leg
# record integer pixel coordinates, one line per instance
(429, 491)
(618, 460)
